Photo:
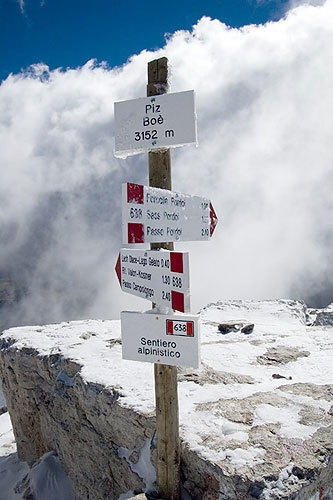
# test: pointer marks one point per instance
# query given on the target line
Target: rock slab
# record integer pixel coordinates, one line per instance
(256, 420)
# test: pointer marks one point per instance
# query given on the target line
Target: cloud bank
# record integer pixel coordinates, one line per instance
(264, 105)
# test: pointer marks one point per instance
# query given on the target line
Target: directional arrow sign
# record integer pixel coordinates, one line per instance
(160, 338)
(156, 215)
(158, 275)
(155, 122)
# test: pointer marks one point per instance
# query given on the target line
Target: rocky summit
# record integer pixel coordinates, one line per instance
(256, 420)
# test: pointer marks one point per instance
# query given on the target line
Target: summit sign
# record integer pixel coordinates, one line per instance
(151, 123)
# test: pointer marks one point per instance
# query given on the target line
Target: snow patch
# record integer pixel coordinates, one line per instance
(143, 467)
(288, 419)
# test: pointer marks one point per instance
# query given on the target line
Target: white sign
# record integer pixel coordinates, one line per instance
(155, 122)
(160, 338)
(156, 215)
(157, 275)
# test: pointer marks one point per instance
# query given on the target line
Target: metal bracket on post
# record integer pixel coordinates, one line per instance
(166, 393)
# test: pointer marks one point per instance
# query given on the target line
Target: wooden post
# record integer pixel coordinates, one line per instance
(166, 395)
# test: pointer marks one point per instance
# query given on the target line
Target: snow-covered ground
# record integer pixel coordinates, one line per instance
(46, 478)
(282, 324)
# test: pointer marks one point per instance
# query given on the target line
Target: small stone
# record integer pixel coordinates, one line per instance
(229, 327)
(248, 328)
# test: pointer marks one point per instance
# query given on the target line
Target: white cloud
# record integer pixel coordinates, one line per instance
(21, 4)
(264, 106)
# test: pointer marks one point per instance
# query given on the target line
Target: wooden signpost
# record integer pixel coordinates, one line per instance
(166, 389)
(159, 216)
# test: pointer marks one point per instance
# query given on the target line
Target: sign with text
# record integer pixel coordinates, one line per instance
(155, 215)
(155, 122)
(160, 338)
(157, 275)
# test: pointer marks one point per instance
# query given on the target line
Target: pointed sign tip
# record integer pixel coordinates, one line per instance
(213, 219)
(118, 269)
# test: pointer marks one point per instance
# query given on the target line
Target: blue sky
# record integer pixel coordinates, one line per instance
(264, 108)
(67, 33)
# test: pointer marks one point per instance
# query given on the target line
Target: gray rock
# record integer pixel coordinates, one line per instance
(281, 355)
(235, 326)
(324, 318)
(101, 441)
(206, 375)
(53, 408)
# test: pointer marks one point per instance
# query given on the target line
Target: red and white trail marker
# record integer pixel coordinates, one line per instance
(155, 215)
(146, 337)
(160, 276)
(180, 327)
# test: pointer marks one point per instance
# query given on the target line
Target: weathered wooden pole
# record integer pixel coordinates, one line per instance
(166, 394)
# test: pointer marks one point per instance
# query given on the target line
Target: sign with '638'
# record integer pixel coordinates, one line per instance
(155, 215)
(157, 275)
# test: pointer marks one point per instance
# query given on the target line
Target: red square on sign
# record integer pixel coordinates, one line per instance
(135, 233)
(169, 327)
(177, 301)
(176, 262)
(189, 328)
(134, 193)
